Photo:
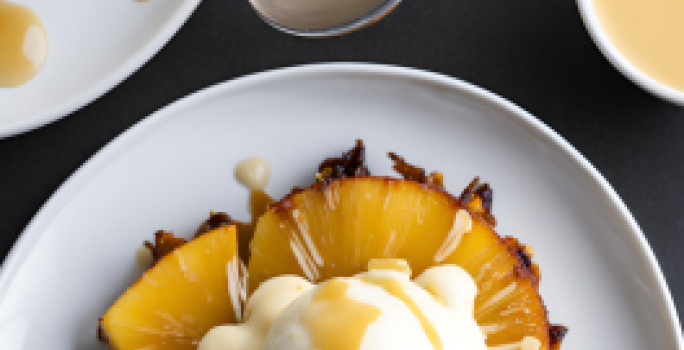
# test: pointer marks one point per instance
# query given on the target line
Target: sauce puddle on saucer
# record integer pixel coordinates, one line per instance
(23, 44)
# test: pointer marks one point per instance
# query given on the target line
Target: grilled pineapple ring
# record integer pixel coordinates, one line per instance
(335, 228)
(178, 300)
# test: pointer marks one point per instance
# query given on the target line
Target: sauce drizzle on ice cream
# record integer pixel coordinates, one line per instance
(349, 315)
(395, 289)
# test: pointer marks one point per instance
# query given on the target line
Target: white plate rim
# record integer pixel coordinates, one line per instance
(100, 159)
(110, 81)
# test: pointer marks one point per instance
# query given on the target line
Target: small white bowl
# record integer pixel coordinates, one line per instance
(629, 70)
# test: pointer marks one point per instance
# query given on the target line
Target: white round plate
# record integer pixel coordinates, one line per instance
(600, 277)
(94, 45)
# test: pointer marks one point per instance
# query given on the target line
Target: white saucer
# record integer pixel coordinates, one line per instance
(94, 45)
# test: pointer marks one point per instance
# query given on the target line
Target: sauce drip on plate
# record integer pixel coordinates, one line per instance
(254, 174)
(23, 44)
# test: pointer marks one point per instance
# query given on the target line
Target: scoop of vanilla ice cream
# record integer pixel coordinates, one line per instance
(263, 307)
(381, 309)
(452, 286)
(404, 315)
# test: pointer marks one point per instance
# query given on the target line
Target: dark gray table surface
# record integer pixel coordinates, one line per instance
(535, 52)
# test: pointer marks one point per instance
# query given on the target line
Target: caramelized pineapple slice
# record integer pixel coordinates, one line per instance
(336, 228)
(190, 290)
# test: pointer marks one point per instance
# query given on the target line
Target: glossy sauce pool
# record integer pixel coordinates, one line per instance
(649, 34)
(23, 44)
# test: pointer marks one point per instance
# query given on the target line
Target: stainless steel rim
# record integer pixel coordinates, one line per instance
(361, 22)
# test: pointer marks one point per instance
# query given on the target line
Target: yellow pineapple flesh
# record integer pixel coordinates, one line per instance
(187, 292)
(335, 228)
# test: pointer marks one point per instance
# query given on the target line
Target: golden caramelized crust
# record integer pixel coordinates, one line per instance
(214, 221)
(350, 164)
(164, 243)
(414, 173)
(556, 335)
(526, 266)
(479, 197)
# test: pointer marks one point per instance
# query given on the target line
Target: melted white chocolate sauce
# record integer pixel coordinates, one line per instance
(253, 173)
